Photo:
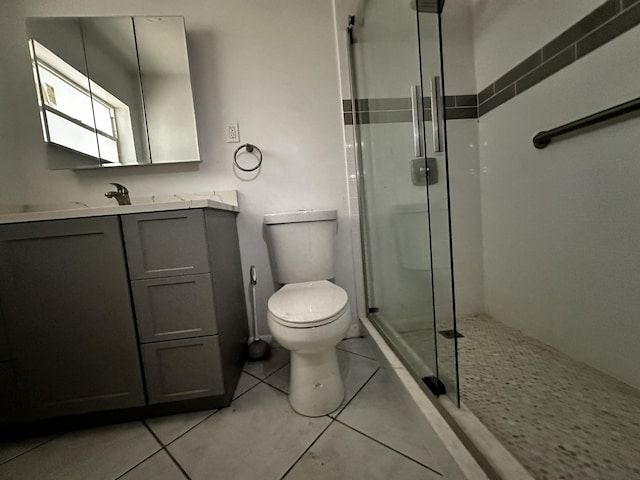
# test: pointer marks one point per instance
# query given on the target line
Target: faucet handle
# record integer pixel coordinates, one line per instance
(120, 188)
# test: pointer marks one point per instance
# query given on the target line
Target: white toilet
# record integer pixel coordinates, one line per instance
(309, 315)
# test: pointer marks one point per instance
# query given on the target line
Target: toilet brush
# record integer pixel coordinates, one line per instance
(258, 349)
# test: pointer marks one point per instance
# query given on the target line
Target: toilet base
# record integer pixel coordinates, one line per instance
(315, 387)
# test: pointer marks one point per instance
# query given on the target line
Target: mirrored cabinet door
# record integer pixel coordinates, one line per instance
(113, 91)
(166, 83)
(112, 64)
(63, 91)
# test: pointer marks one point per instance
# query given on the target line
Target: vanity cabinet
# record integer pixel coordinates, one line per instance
(9, 398)
(90, 304)
(67, 311)
(188, 297)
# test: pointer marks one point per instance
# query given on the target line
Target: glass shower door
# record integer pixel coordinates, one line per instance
(396, 63)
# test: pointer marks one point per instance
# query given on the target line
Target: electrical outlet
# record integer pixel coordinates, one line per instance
(233, 133)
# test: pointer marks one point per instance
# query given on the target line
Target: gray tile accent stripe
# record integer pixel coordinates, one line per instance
(518, 71)
(498, 99)
(547, 69)
(618, 25)
(398, 110)
(589, 23)
(603, 24)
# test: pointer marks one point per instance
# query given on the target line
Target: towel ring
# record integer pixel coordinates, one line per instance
(249, 148)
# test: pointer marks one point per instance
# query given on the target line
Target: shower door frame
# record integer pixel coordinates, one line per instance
(429, 384)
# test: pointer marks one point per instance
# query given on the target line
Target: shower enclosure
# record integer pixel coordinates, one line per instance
(397, 111)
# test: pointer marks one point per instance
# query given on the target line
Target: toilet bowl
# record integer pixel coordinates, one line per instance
(309, 315)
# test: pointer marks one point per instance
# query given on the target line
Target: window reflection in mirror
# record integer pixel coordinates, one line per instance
(113, 91)
(112, 64)
(62, 87)
(72, 116)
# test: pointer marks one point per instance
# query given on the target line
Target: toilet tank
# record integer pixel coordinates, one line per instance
(301, 244)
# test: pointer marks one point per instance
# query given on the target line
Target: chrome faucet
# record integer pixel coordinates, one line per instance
(121, 195)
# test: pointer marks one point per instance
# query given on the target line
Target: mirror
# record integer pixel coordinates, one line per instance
(113, 91)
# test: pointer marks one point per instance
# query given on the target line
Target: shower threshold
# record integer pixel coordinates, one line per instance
(427, 404)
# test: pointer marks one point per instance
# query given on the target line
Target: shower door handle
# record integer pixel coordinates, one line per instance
(436, 113)
(416, 94)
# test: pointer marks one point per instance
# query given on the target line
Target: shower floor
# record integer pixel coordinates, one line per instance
(559, 417)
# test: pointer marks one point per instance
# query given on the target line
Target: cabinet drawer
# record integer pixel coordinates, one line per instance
(163, 244)
(174, 307)
(181, 369)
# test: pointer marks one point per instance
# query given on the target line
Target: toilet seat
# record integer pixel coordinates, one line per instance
(308, 304)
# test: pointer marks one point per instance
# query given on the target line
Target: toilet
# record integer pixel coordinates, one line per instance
(309, 315)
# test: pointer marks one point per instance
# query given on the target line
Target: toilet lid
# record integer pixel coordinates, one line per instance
(308, 304)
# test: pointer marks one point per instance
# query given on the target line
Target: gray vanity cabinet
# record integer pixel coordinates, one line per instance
(174, 307)
(188, 296)
(67, 309)
(183, 369)
(163, 244)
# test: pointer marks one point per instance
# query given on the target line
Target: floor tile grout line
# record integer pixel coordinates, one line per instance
(276, 370)
(166, 450)
(31, 449)
(276, 388)
(341, 409)
(201, 421)
(216, 411)
(139, 463)
(389, 447)
(355, 353)
(251, 374)
(308, 448)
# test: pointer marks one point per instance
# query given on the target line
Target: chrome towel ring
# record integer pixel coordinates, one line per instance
(249, 148)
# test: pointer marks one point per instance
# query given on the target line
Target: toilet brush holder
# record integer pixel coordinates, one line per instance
(258, 349)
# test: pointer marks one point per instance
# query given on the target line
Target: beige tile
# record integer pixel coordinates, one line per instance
(172, 426)
(262, 369)
(341, 453)
(258, 437)
(377, 411)
(246, 382)
(12, 449)
(96, 453)
(361, 346)
(158, 467)
(355, 370)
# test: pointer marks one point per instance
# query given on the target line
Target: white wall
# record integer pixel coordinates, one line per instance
(561, 225)
(505, 32)
(464, 160)
(271, 66)
(12, 179)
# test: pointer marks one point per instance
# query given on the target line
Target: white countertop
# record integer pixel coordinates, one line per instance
(221, 200)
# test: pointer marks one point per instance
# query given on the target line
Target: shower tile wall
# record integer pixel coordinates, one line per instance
(560, 225)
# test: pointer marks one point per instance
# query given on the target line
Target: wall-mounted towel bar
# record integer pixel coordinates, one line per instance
(542, 139)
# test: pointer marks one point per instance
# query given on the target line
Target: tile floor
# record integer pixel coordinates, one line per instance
(371, 435)
(561, 418)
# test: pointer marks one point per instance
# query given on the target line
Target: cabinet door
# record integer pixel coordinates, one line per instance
(163, 244)
(5, 352)
(174, 307)
(10, 407)
(65, 298)
(181, 369)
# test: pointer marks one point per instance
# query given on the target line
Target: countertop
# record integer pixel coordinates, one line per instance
(221, 200)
